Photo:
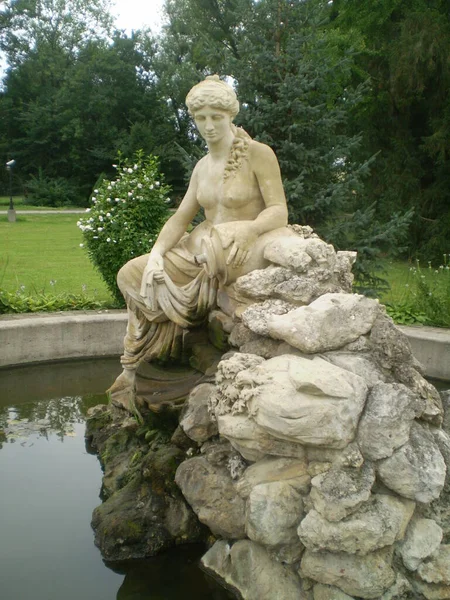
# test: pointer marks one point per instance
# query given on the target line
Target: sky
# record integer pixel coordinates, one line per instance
(134, 14)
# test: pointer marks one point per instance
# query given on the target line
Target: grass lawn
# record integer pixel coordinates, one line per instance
(37, 249)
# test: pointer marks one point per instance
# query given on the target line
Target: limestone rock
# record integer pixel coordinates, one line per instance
(261, 283)
(359, 365)
(432, 411)
(195, 418)
(274, 511)
(387, 418)
(442, 440)
(212, 495)
(329, 592)
(148, 514)
(240, 335)
(303, 289)
(376, 524)
(436, 569)
(366, 576)
(417, 469)
(390, 346)
(340, 491)
(253, 442)
(328, 323)
(292, 252)
(247, 567)
(265, 347)
(400, 589)
(423, 537)
(445, 399)
(433, 591)
(295, 394)
(256, 316)
(288, 470)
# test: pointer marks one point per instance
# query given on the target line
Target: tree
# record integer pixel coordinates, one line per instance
(294, 78)
(405, 46)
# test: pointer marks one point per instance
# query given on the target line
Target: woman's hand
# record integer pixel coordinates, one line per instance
(241, 235)
(154, 271)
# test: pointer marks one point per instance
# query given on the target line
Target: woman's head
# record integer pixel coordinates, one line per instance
(215, 93)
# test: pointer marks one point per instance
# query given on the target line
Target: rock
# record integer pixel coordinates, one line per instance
(390, 346)
(261, 283)
(445, 399)
(247, 568)
(432, 410)
(265, 347)
(231, 391)
(212, 495)
(270, 469)
(219, 327)
(423, 537)
(300, 254)
(240, 335)
(329, 592)
(328, 323)
(195, 419)
(303, 289)
(436, 569)
(378, 523)
(339, 492)
(433, 591)
(256, 316)
(366, 576)
(417, 469)
(274, 511)
(359, 365)
(400, 589)
(147, 515)
(289, 395)
(442, 440)
(253, 442)
(386, 422)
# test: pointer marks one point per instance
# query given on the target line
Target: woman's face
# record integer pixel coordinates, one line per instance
(212, 123)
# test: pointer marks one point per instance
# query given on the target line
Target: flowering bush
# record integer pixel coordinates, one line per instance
(126, 216)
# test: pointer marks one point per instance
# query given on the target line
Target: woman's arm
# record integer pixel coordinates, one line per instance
(168, 237)
(176, 226)
(267, 170)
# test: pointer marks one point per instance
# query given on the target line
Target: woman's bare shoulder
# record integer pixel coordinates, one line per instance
(260, 153)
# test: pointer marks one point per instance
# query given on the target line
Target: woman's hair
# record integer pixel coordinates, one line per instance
(214, 92)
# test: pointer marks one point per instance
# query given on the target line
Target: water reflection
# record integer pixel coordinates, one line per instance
(50, 485)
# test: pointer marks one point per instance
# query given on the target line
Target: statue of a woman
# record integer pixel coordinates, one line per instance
(238, 184)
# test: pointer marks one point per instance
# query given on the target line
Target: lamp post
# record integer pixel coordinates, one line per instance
(11, 211)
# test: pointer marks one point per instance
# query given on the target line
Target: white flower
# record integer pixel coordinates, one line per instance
(129, 170)
(108, 214)
(139, 185)
(95, 191)
(108, 239)
(81, 245)
(152, 186)
(130, 194)
(78, 223)
(115, 166)
(100, 218)
(117, 199)
(108, 200)
(94, 198)
(135, 167)
(88, 210)
(109, 187)
(99, 228)
(156, 183)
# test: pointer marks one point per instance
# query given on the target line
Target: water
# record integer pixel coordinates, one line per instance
(49, 487)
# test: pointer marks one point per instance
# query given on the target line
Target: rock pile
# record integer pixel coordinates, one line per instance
(319, 446)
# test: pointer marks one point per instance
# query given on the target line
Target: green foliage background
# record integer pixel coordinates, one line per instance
(353, 97)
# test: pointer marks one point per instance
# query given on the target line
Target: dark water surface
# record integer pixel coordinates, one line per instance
(49, 486)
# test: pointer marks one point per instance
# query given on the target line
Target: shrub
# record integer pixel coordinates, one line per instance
(21, 301)
(50, 191)
(126, 216)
